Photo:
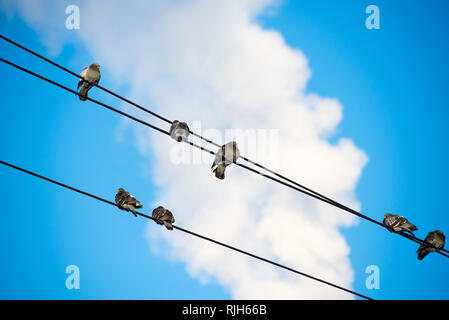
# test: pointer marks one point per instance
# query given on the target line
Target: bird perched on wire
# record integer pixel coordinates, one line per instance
(179, 131)
(397, 223)
(126, 201)
(227, 154)
(434, 241)
(90, 76)
(163, 216)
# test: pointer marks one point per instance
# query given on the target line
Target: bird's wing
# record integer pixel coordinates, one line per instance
(84, 72)
(421, 247)
(121, 198)
(157, 213)
(216, 161)
(401, 220)
(430, 240)
(90, 78)
(132, 200)
(83, 75)
(230, 152)
(184, 126)
(440, 241)
(168, 216)
(391, 220)
(431, 237)
(94, 77)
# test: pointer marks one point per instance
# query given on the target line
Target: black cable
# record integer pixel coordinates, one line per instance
(148, 111)
(336, 204)
(139, 106)
(308, 191)
(271, 262)
(191, 132)
(88, 98)
(323, 198)
(185, 230)
(79, 77)
(102, 88)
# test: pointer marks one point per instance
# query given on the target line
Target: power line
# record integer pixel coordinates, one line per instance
(184, 230)
(327, 200)
(102, 88)
(151, 112)
(88, 98)
(78, 76)
(336, 204)
(143, 108)
(306, 190)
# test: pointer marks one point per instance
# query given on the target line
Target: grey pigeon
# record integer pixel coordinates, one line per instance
(227, 154)
(433, 242)
(126, 201)
(163, 216)
(396, 223)
(179, 131)
(90, 77)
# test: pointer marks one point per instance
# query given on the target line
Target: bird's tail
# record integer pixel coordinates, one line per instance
(410, 228)
(168, 225)
(220, 171)
(422, 254)
(138, 205)
(130, 208)
(422, 251)
(83, 93)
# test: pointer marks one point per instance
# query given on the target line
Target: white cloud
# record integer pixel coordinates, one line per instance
(210, 61)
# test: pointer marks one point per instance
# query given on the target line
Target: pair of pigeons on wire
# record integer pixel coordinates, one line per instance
(434, 240)
(226, 155)
(127, 202)
(179, 131)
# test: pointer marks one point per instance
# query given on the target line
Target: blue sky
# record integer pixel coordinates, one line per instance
(392, 86)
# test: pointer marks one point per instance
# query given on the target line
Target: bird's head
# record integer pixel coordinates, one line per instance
(121, 190)
(439, 232)
(386, 215)
(95, 66)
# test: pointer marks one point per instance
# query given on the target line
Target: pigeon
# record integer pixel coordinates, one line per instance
(434, 241)
(396, 223)
(126, 201)
(179, 131)
(90, 77)
(163, 216)
(227, 154)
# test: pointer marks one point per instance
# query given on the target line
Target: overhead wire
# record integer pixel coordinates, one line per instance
(299, 187)
(185, 230)
(139, 106)
(149, 111)
(100, 87)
